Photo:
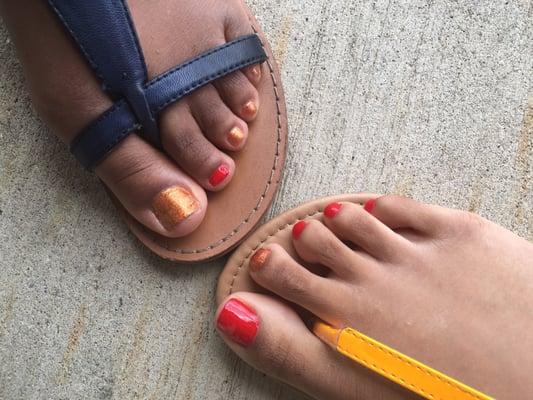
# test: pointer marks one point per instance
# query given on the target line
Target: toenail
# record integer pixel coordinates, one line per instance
(249, 109)
(256, 72)
(369, 205)
(332, 210)
(239, 322)
(298, 228)
(236, 136)
(174, 205)
(219, 175)
(259, 258)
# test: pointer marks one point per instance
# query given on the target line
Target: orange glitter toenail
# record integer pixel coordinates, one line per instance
(236, 136)
(258, 259)
(174, 205)
(250, 109)
(256, 71)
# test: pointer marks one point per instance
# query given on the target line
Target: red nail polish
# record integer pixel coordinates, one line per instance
(332, 209)
(239, 322)
(298, 228)
(369, 205)
(218, 175)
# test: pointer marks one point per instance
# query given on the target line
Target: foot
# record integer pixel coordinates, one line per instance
(446, 287)
(165, 191)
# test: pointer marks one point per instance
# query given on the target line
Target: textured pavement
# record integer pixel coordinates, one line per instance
(430, 99)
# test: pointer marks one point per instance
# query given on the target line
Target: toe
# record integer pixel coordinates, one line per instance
(316, 244)
(217, 122)
(238, 25)
(271, 337)
(152, 189)
(184, 141)
(399, 212)
(239, 94)
(352, 223)
(274, 269)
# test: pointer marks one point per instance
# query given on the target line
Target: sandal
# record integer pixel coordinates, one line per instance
(107, 38)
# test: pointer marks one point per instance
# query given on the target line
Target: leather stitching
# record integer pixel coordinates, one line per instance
(404, 361)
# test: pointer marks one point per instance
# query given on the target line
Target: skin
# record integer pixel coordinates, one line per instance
(195, 132)
(447, 287)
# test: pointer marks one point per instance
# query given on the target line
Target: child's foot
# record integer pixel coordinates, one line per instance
(446, 287)
(164, 192)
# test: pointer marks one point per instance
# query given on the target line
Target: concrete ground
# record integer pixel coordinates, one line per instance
(431, 99)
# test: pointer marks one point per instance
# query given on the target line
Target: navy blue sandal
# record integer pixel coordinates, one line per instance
(104, 32)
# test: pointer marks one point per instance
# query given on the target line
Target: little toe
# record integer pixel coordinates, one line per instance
(271, 337)
(352, 223)
(238, 25)
(316, 244)
(217, 122)
(152, 189)
(274, 269)
(184, 141)
(240, 95)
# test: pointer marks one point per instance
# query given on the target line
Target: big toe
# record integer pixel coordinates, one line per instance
(153, 189)
(271, 336)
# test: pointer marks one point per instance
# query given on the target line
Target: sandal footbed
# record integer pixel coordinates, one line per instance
(234, 212)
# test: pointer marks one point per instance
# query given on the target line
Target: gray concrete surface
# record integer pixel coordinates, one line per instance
(427, 98)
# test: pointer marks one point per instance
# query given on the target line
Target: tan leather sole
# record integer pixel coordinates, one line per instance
(235, 276)
(236, 210)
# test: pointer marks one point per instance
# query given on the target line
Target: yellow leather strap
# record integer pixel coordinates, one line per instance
(395, 366)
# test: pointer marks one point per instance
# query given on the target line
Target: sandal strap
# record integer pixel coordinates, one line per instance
(105, 34)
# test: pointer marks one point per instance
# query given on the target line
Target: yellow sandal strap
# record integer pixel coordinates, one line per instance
(395, 366)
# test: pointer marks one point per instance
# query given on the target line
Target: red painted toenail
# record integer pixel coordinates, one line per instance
(239, 322)
(369, 205)
(298, 228)
(259, 259)
(218, 175)
(332, 210)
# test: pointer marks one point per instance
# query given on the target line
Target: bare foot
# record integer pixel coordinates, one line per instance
(165, 192)
(446, 287)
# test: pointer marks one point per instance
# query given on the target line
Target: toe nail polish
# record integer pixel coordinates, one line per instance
(236, 136)
(239, 322)
(219, 175)
(259, 259)
(249, 109)
(332, 210)
(369, 205)
(173, 205)
(298, 228)
(256, 71)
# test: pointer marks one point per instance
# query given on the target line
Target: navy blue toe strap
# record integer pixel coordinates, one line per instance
(106, 36)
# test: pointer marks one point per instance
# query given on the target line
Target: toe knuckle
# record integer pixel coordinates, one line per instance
(293, 284)
(469, 220)
(328, 251)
